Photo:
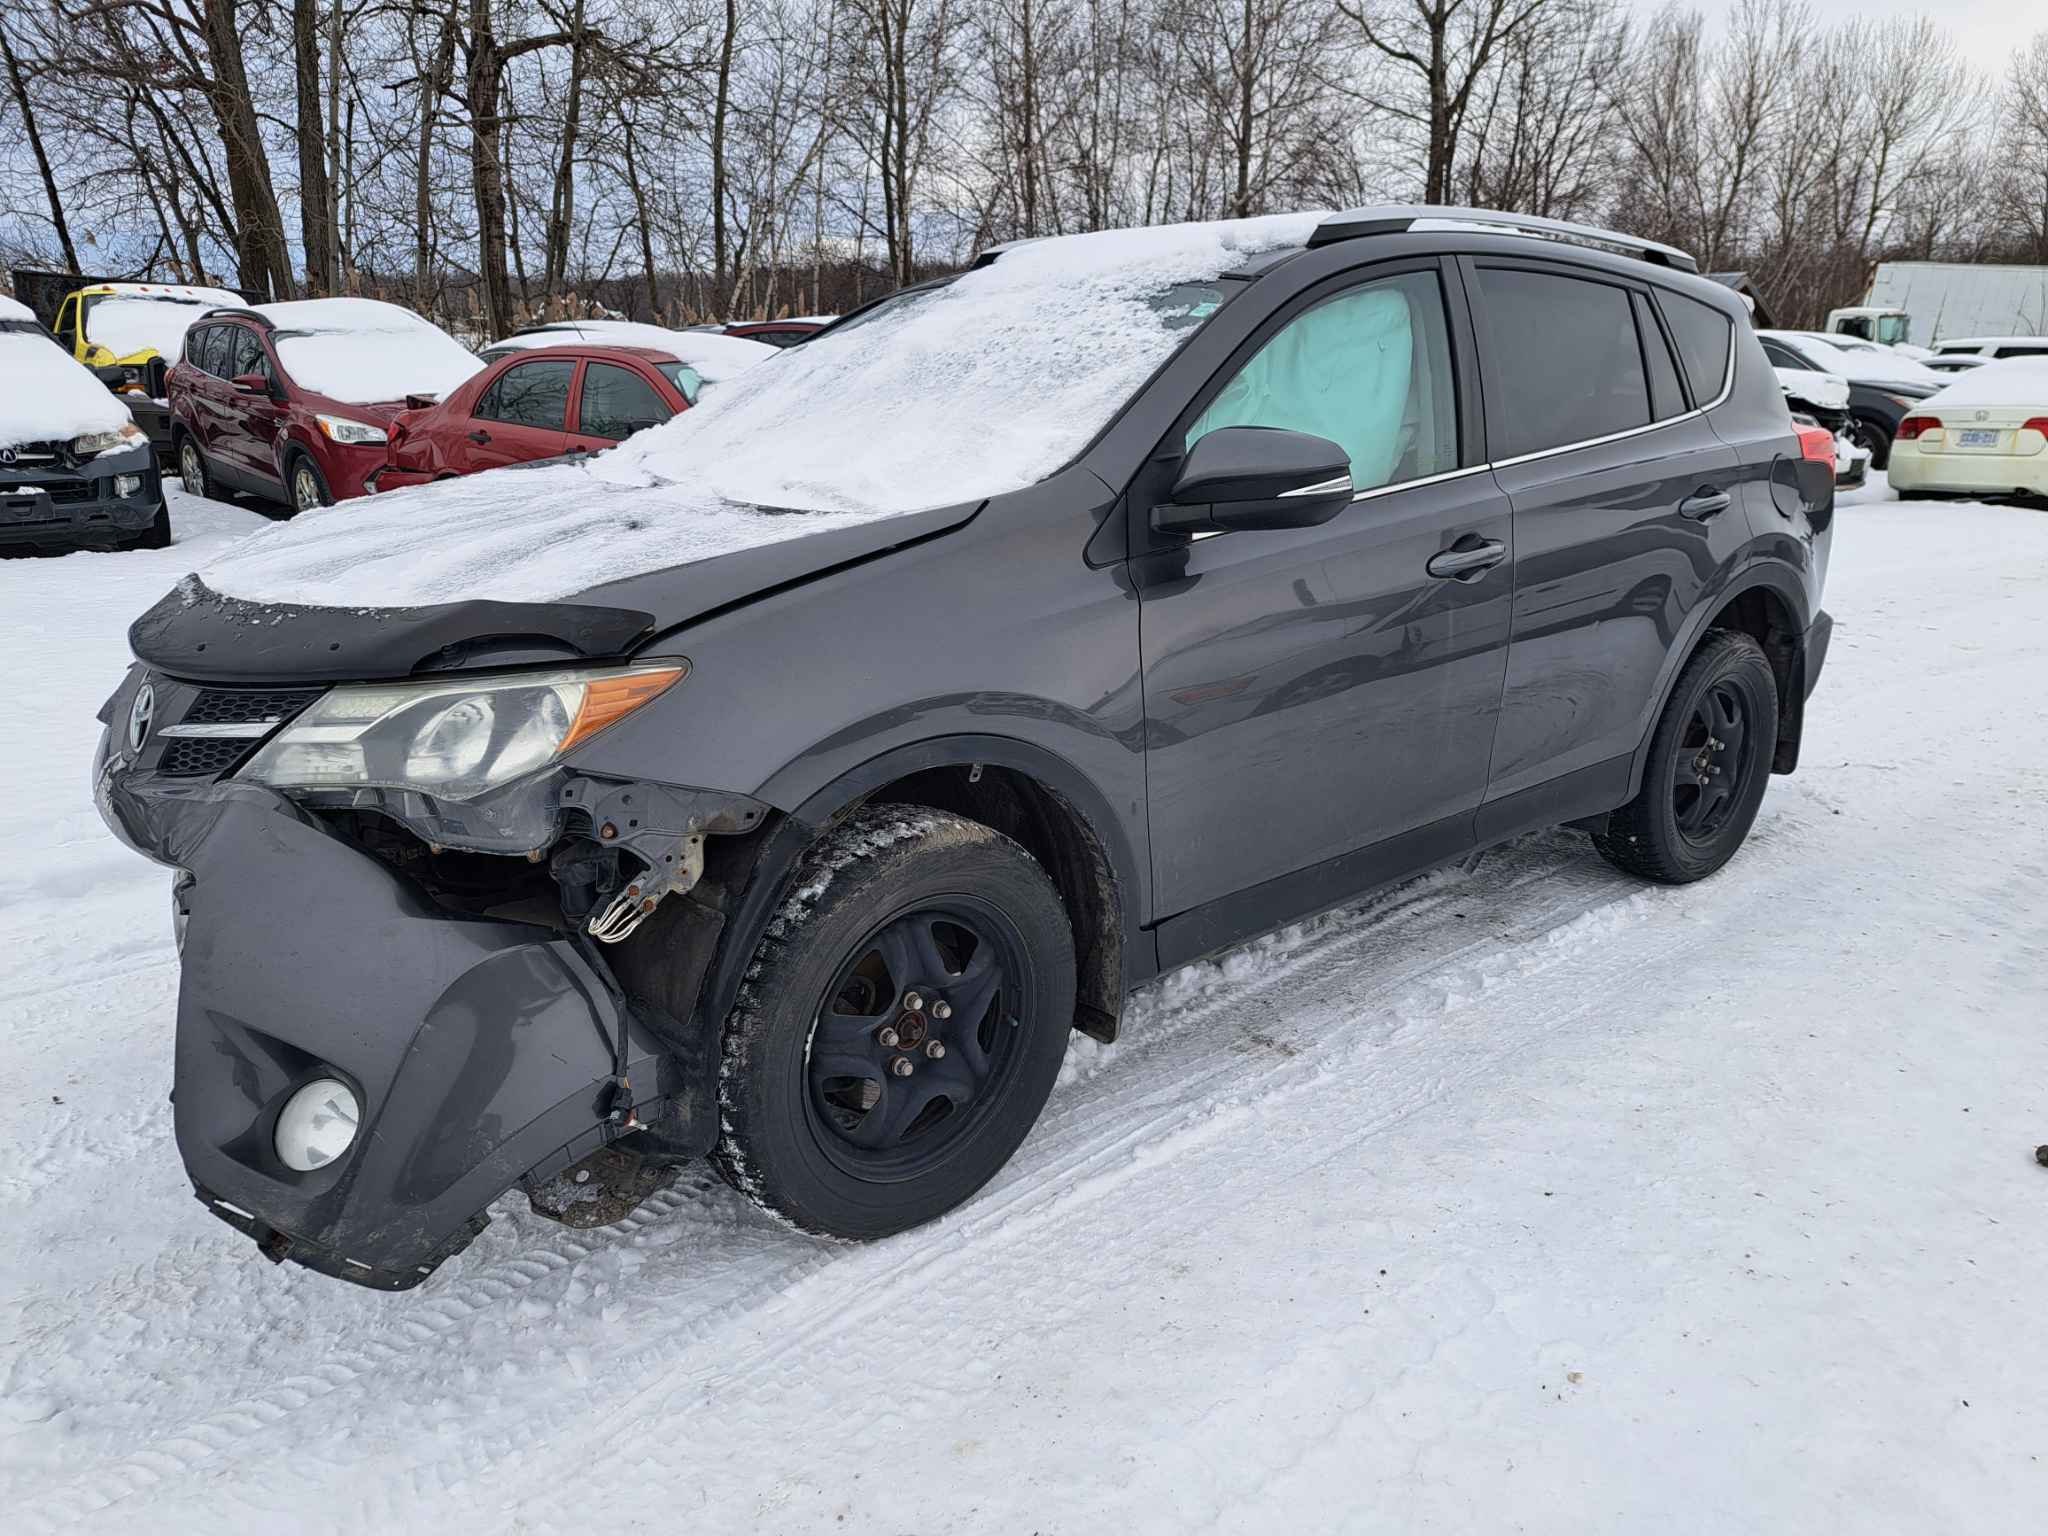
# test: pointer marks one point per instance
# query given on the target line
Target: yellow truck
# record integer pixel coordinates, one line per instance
(127, 333)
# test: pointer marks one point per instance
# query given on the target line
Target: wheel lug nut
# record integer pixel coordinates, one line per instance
(942, 1009)
(902, 1066)
(888, 1036)
(912, 1002)
(934, 1049)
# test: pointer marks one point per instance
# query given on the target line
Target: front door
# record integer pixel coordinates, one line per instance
(523, 415)
(248, 428)
(1317, 692)
(1625, 507)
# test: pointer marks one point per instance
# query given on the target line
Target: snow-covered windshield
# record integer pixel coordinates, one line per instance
(365, 351)
(957, 393)
(1866, 365)
(127, 325)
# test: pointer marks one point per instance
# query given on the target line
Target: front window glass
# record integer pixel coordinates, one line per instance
(617, 402)
(1370, 370)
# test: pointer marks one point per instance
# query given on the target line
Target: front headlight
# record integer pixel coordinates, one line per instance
(127, 435)
(342, 430)
(454, 740)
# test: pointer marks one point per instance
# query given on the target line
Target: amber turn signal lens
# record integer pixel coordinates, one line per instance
(610, 699)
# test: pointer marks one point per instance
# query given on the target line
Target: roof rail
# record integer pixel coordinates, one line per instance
(225, 310)
(1399, 218)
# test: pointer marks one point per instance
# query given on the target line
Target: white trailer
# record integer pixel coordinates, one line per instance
(1938, 300)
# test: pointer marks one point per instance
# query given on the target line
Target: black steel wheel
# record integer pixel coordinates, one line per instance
(901, 1025)
(1709, 764)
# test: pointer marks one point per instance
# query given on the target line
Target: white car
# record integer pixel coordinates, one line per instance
(1992, 348)
(1956, 362)
(1986, 434)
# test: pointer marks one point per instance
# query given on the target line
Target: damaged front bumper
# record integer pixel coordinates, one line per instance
(484, 1052)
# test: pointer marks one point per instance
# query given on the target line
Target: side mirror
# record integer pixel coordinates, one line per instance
(641, 424)
(421, 402)
(251, 384)
(1257, 477)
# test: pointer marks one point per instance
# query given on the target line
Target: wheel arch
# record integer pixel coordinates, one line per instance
(1767, 602)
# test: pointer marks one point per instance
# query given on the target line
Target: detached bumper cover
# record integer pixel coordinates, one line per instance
(480, 1051)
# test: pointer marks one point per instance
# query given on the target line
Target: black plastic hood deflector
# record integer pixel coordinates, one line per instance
(198, 633)
(206, 636)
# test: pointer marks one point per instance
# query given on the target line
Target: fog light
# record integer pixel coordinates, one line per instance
(318, 1123)
(127, 485)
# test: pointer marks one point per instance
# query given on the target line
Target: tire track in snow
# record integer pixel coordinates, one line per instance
(1100, 1146)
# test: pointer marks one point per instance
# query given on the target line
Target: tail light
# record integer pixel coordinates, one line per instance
(1913, 426)
(1817, 444)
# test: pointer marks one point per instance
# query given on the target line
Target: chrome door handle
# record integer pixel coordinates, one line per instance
(1468, 560)
(1705, 503)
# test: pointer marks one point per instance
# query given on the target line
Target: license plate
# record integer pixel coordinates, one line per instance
(1976, 437)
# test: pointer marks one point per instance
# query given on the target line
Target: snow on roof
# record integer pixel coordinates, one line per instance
(364, 350)
(2021, 381)
(125, 325)
(1967, 343)
(1859, 365)
(950, 395)
(190, 293)
(14, 309)
(47, 396)
(714, 357)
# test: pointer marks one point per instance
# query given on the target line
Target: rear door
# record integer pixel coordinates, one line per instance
(207, 350)
(1320, 693)
(1625, 505)
(612, 403)
(520, 416)
(249, 422)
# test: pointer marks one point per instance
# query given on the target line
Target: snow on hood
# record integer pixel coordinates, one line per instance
(1822, 389)
(2012, 381)
(712, 357)
(1863, 365)
(47, 396)
(945, 396)
(364, 351)
(126, 325)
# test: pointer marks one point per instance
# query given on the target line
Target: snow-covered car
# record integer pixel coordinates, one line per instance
(1986, 435)
(1949, 364)
(1991, 348)
(292, 402)
(75, 471)
(1823, 399)
(712, 355)
(128, 333)
(1883, 384)
(786, 785)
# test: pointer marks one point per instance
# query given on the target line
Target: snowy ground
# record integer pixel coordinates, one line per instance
(1522, 1198)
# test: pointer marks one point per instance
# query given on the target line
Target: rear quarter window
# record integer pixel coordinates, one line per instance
(1705, 337)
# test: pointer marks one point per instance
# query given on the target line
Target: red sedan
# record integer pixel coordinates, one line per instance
(537, 404)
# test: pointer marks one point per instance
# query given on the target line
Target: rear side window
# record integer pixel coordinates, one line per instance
(1782, 356)
(1369, 369)
(1704, 337)
(534, 394)
(1666, 398)
(2023, 351)
(617, 402)
(1569, 365)
(213, 351)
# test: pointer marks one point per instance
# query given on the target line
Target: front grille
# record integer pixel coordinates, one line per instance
(201, 757)
(71, 491)
(248, 706)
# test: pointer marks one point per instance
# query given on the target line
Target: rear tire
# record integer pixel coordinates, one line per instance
(1710, 762)
(193, 471)
(915, 938)
(1874, 435)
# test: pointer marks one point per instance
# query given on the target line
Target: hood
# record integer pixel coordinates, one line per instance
(198, 633)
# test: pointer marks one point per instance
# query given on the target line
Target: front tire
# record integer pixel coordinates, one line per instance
(158, 534)
(307, 486)
(900, 1026)
(1710, 762)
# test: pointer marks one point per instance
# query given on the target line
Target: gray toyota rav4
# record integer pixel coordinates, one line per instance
(784, 786)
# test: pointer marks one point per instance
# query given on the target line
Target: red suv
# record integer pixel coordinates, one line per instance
(292, 402)
(536, 404)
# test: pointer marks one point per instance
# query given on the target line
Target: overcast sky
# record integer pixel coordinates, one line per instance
(1987, 31)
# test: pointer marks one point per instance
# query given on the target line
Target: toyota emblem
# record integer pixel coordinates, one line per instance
(140, 716)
